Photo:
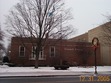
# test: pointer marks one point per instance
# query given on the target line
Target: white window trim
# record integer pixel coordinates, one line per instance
(32, 58)
(40, 58)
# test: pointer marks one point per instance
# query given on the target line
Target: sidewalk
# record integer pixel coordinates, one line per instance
(39, 74)
(50, 71)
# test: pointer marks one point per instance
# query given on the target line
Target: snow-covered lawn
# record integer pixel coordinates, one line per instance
(47, 71)
(4, 69)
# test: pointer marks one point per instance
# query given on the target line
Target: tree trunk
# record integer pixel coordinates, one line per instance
(37, 57)
(36, 62)
(38, 49)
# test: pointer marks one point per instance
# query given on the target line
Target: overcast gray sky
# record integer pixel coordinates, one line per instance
(87, 13)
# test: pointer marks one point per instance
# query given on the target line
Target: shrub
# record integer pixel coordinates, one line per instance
(5, 59)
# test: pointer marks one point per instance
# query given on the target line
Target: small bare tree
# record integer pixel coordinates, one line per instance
(39, 19)
(106, 32)
(2, 48)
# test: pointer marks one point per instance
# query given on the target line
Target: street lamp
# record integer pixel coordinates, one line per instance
(95, 43)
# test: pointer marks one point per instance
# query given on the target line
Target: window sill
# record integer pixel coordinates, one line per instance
(38, 59)
(42, 58)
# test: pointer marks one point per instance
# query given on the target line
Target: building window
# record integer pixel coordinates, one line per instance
(33, 55)
(41, 54)
(21, 51)
(52, 51)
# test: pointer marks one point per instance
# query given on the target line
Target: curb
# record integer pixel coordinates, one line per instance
(34, 75)
(37, 76)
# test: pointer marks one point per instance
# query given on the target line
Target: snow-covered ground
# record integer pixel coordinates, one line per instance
(8, 71)
(4, 68)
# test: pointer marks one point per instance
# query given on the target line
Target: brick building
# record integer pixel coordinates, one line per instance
(54, 52)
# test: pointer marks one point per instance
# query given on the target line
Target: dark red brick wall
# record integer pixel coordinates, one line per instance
(65, 51)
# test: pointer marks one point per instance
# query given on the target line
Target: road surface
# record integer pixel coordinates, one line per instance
(58, 79)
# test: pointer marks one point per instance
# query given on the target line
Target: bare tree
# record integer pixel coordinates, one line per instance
(40, 19)
(2, 48)
(106, 33)
(1, 34)
(105, 36)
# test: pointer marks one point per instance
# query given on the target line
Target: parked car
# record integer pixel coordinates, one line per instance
(63, 66)
(7, 62)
